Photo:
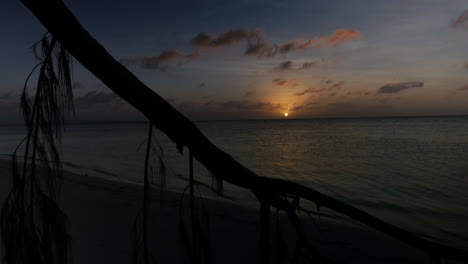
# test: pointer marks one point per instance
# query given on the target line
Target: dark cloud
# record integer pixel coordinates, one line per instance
(290, 46)
(207, 41)
(297, 108)
(464, 88)
(339, 37)
(202, 40)
(256, 46)
(307, 106)
(288, 65)
(286, 82)
(336, 86)
(461, 21)
(312, 64)
(261, 49)
(154, 62)
(297, 44)
(285, 65)
(308, 90)
(398, 87)
(193, 56)
(201, 85)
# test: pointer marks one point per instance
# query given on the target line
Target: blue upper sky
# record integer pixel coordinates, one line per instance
(249, 59)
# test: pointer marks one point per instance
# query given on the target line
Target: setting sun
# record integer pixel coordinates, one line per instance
(286, 114)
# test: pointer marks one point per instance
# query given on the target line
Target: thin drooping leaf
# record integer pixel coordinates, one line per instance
(32, 226)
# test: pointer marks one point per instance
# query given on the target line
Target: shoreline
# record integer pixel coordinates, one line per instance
(101, 213)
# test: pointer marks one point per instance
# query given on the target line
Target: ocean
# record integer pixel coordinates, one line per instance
(409, 171)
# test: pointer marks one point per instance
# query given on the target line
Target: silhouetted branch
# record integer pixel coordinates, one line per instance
(58, 20)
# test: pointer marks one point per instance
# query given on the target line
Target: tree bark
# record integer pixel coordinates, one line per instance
(59, 20)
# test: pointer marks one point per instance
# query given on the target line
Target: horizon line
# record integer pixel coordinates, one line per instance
(78, 122)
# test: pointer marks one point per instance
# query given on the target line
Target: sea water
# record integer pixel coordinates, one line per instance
(412, 172)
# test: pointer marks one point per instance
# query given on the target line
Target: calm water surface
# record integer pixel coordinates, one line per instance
(410, 171)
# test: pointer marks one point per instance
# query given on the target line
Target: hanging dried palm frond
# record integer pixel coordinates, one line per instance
(194, 223)
(153, 158)
(32, 226)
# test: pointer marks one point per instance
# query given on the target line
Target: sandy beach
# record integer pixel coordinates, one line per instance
(101, 215)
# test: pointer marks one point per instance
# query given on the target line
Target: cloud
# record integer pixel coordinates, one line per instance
(207, 41)
(398, 87)
(193, 56)
(153, 62)
(285, 65)
(256, 43)
(336, 86)
(309, 105)
(297, 108)
(308, 90)
(297, 44)
(286, 82)
(461, 21)
(464, 88)
(201, 85)
(261, 49)
(312, 64)
(256, 46)
(340, 36)
(288, 65)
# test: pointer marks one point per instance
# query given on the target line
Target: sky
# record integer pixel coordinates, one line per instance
(259, 59)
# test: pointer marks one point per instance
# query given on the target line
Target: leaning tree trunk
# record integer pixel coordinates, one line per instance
(59, 20)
